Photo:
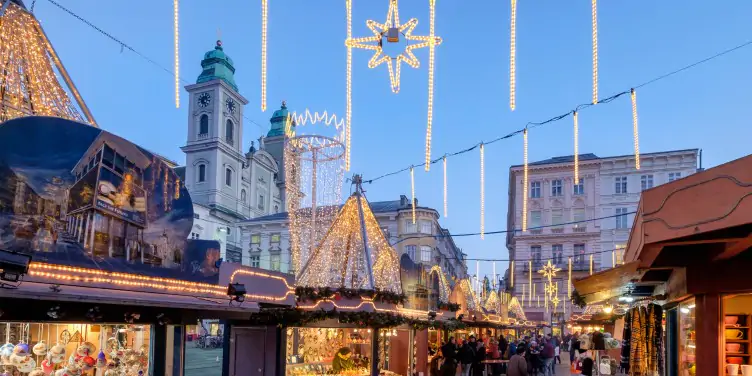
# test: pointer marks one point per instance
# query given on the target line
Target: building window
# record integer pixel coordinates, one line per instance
(535, 219)
(620, 185)
(260, 203)
(229, 231)
(425, 253)
(194, 235)
(242, 195)
(255, 240)
(619, 253)
(557, 217)
(556, 188)
(536, 254)
(275, 262)
(201, 173)
(579, 255)
(255, 261)
(228, 177)
(535, 189)
(410, 250)
(578, 215)
(579, 188)
(229, 130)
(196, 216)
(646, 182)
(674, 176)
(621, 218)
(276, 238)
(410, 227)
(426, 227)
(557, 253)
(203, 127)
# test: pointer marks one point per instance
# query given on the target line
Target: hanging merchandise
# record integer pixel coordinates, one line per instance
(644, 330)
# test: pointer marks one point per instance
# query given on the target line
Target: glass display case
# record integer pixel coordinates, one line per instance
(319, 351)
(687, 338)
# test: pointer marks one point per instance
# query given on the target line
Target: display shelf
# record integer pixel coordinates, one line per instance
(742, 324)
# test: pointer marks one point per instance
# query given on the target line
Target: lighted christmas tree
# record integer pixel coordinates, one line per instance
(29, 84)
(354, 252)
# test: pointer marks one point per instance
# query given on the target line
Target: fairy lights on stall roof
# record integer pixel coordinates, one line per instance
(513, 55)
(635, 131)
(176, 6)
(264, 19)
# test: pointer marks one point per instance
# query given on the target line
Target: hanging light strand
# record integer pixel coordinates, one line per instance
(513, 56)
(524, 181)
(511, 276)
(591, 264)
(412, 190)
(445, 188)
(595, 51)
(431, 55)
(569, 279)
(176, 26)
(348, 109)
(635, 130)
(482, 192)
(264, 18)
(576, 150)
(530, 282)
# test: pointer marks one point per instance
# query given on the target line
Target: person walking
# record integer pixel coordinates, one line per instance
(518, 364)
(449, 352)
(480, 356)
(467, 355)
(547, 356)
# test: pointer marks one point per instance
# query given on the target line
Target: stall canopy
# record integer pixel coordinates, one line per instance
(621, 280)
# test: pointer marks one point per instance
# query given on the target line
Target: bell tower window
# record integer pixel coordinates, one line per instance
(203, 127)
(229, 130)
(201, 173)
(228, 177)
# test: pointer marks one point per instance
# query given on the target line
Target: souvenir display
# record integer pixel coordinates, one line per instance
(644, 330)
(340, 351)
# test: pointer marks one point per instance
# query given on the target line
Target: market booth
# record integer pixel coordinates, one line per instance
(690, 243)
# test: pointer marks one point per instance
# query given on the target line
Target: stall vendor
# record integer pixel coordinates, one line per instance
(342, 361)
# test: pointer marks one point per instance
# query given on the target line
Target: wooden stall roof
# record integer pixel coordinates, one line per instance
(608, 283)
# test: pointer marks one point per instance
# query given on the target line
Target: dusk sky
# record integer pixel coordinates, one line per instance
(705, 107)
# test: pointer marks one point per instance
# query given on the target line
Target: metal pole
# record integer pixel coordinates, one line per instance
(366, 250)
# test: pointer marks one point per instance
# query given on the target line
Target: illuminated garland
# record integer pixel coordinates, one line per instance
(451, 307)
(292, 317)
(307, 293)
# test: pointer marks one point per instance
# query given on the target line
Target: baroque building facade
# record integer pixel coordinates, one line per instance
(561, 225)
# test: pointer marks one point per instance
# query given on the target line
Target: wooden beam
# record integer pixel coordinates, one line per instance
(701, 241)
(735, 248)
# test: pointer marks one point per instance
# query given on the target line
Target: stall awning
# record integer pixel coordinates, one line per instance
(608, 283)
(68, 293)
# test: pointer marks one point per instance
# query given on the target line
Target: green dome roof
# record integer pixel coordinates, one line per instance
(217, 66)
(279, 120)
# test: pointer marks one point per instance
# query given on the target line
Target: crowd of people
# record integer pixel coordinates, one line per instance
(533, 355)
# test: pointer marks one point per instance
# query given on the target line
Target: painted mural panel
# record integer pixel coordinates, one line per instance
(75, 195)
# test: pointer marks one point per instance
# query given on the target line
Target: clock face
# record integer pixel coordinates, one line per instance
(204, 99)
(230, 105)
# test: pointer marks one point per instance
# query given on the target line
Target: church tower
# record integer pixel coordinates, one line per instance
(214, 155)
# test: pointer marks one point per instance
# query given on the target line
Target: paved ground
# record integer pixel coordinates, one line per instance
(203, 362)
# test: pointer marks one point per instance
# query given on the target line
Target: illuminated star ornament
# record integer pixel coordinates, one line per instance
(392, 30)
(549, 271)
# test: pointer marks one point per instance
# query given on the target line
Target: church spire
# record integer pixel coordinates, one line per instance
(217, 66)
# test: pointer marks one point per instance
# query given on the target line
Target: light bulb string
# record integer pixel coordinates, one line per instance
(570, 113)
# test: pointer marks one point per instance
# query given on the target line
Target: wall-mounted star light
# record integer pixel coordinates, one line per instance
(392, 31)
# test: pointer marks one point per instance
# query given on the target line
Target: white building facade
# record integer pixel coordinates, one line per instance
(561, 225)
(225, 184)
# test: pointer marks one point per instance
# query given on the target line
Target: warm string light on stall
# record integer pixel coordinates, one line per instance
(482, 192)
(635, 131)
(264, 23)
(595, 50)
(525, 184)
(176, 6)
(513, 55)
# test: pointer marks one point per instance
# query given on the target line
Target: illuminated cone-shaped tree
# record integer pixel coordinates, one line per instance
(29, 84)
(354, 252)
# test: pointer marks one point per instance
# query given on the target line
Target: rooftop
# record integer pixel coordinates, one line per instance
(592, 157)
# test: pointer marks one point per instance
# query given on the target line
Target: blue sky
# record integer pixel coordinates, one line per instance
(706, 107)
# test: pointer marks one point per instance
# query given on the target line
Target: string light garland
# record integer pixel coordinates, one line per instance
(513, 55)
(445, 188)
(576, 150)
(595, 50)
(348, 104)
(176, 9)
(613, 258)
(635, 131)
(591, 264)
(412, 192)
(511, 277)
(264, 19)
(524, 181)
(569, 279)
(431, 67)
(530, 281)
(482, 192)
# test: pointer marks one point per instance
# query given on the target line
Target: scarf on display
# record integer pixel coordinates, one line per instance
(643, 326)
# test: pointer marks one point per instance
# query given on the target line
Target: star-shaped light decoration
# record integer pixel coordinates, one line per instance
(392, 30)
(549, 271)
(551, 289)
(555, 301)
